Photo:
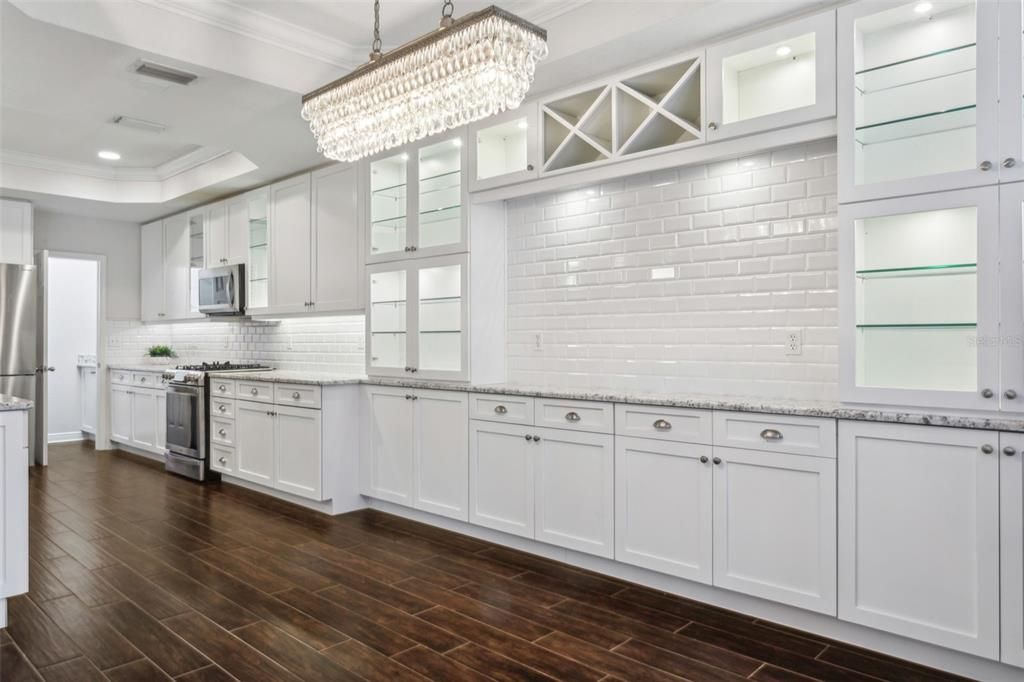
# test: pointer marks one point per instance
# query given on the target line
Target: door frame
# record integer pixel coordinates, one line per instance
(102, 435)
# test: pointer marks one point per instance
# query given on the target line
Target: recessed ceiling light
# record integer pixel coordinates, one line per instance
(783, 50)
(523, 125)
(457, 142)
(108, 155)
(405, 157)
(923, 7)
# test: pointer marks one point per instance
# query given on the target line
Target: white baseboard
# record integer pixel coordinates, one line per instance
(68, 437)
(826, 626)
(138, 451)
(322, 507)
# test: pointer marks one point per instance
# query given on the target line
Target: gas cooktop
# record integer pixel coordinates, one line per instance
(223, 367)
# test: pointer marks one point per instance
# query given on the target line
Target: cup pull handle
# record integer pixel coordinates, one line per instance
(663, 425)
(572, 417)
(501, 409)
(771, 435)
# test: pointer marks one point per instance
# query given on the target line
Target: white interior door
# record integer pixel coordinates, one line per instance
(39, 431)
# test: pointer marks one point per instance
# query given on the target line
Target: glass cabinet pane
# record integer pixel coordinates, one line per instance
(915, 93)
(440, 194)
(770, 79)
(388, 204)
(196, 257)
(388, 319)
(259, 247)
(440, 318)
(502, 149)
(917, 300)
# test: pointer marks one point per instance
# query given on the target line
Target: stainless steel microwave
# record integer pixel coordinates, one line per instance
(222, 290)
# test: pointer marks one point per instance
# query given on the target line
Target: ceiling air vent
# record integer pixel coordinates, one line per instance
(138, 124)
(164, 73)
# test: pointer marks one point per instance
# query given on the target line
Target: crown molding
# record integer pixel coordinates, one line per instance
(168, 169)
(250, 23)
(540, 12)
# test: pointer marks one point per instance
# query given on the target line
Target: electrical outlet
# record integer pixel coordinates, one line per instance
(113, 341)
(538, 343)
(795, 342)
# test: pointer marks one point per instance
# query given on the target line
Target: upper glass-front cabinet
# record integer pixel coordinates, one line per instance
(920, 300)
(417, 201)
(258, 268)
(918, 97)
(1011, 95)
(503, 149)
(1011, 332)
(774, 78)
(418, 319)
(196, 256)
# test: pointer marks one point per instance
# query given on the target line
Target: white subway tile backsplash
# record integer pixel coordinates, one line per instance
(690, 286)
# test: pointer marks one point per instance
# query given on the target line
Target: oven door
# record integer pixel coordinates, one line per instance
(220, 290)
(186, 422)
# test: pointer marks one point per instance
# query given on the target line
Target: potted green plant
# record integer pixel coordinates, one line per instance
(159, 354)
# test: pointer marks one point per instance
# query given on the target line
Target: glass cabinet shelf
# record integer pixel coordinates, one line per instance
(948, 62)
(392, 192)
(438, 214)
(920, 270)
(387, 222)
(920, 124)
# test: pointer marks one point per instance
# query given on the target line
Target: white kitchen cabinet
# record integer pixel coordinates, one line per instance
(501, 477)
(919, 533)
(336, 255)
(1011, 93)
(143, 415)
(387, 457)
(425, 339)
(503, 148)
(775, 78)
(16, 232)
(161, 421)
(14, 508)
(226, 232)
(254, 442)
(416, 450)
(1011, 546)
(919, 299)
(258, 245)
(441, 447)
(297, 441)
(1011, 297)
(290, 245)
(663, 506)
(775, 526)
(417, 201)
(120, 414)
(152, 271)
(918, 97)
(575, 490)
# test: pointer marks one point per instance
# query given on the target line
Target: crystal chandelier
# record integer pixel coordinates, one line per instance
(468, 69)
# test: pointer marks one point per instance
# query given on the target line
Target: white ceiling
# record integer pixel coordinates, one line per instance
(65, 71)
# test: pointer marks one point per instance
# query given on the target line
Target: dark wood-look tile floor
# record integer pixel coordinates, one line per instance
(138, 575)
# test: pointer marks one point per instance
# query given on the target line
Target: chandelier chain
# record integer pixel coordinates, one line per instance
(376, 27)
(447, 9)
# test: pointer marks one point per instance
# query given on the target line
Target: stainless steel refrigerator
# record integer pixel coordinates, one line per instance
(19, 370)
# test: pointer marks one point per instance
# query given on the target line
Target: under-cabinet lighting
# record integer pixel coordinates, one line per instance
(923, 7)
(783, 51)
(108, 155)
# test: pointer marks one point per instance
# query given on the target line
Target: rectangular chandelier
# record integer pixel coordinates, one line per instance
(466, 70)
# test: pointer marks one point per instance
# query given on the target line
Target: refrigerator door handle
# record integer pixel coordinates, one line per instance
(43, 368)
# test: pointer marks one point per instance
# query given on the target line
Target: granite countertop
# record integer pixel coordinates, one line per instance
(10, 403)
(287, 376)
(138, 367)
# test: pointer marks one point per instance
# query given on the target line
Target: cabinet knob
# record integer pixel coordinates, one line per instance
(1010, 394)
(987, 393)
(414, 369)
(255, 391)
(501, 409)
(716, 460)
(1009, 162)
(408, 396)
(712, 126)
(222, 460)
(408, 369)
(703, 459)
(221, 432)
(529, 166)
(663, 425)
(222, 408)
(771, 434)
(536, 439)
(1009, 451)
(412, 248)
(142, 380)
(222, 388)
(529, 437)
(572, 417)
(985, 165)
(296, 395)
(406, 249)
(987, 449)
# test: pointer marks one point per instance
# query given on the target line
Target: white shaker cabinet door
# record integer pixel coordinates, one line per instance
(387, 465)
(775, 526)
(501, 477)
(144, 419)
(663, 506)
(161, 421)
(919, 533)
(290, 245)
(337, 254)
(152, 271)
(254, 438)
(575, 490)
(298, 460)
(441, 423)
(177, 270)
(120, 414)
(1011, 545)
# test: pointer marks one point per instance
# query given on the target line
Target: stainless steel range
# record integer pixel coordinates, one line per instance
(188, 417)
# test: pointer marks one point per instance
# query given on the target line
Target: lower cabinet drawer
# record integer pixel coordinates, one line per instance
(663, 423)
(222, 459)
(222, 431)
(509, 409)
(222, 409)
(222, 388)
(776, 433)
(120, 377)
(300, 395)
(578, 415)
(260, 391)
